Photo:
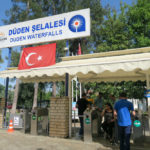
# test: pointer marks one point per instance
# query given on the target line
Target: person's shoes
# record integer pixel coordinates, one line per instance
(80, 135)
(111, 141)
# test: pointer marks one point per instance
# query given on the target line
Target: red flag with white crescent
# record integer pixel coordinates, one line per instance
(39, 56)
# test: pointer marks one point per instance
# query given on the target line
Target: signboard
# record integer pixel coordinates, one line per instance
(16, 120)
(87, 121)
(33, 117)
(59, 27)
(137, 123)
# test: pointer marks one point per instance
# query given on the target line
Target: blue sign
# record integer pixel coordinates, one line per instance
(77, 23)
(69, 25)
(147, 93)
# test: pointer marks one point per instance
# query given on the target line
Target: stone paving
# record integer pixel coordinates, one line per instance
(20, 141)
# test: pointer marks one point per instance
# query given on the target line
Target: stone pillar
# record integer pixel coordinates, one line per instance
(2, 103)
(59, 117)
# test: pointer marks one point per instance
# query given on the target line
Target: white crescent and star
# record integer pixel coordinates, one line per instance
(28, 57)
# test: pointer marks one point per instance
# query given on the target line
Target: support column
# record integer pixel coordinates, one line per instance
(70, 107)
(72, 91)
(147, 131)
(6, 89)
(14, 105)
(80, 90)
(36, 85)
(66, 84)
(148, 88)
(76, 90)
(68, 94)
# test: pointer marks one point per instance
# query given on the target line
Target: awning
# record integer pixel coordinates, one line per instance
(123, 65)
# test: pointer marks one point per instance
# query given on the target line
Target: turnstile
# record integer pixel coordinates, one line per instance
(39, 121)
(87, 125)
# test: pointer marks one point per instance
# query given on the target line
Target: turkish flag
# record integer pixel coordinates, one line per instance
(39, 56)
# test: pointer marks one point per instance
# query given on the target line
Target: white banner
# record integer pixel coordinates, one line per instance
(59, 27)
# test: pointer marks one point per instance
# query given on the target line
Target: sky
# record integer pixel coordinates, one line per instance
(6, 5)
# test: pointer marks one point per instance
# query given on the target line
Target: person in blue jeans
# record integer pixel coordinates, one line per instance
(122, 109)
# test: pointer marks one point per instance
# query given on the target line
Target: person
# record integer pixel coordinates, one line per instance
(122, 110)
(112, 98)
(98, 104)
(115, 131)
(108, 123)
(81, 104)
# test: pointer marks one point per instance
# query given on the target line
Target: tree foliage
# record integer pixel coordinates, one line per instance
(139, 23)
(110, 31)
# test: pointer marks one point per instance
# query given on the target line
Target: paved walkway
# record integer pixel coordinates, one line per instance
(20, 141)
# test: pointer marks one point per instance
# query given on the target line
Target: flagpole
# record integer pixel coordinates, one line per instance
(79, 49)
(67, 48)
(6, 88)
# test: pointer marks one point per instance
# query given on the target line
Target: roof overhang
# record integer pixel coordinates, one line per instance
(126, 65)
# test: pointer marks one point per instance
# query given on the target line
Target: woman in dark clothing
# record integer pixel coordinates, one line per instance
(81, 104)
(108, 123)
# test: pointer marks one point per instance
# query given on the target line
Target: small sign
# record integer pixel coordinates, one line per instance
(137, 123)
(147, 93)
(16, 120)
(33, 117)
(87, 121)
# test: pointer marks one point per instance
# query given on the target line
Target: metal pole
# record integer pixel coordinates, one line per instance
(76, 89)
(148, 88)
(70, 107)
(72, 91)
(67, 46)
(6, 89)
(66, 84)
(80, 90)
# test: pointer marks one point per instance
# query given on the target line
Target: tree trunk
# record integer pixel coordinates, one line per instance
(13, 110)
(35, 95)
(54, 89)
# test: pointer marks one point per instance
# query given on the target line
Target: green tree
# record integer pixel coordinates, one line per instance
(26, 94)
(1, 60)
(2, 89)
(139, 23)
(114, 34)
